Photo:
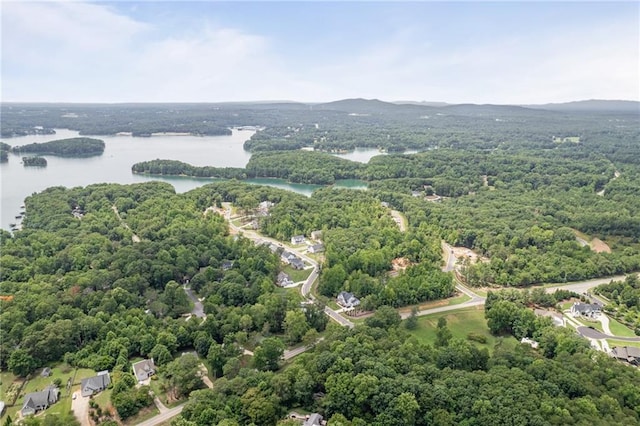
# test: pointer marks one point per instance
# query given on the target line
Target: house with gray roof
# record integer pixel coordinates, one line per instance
(628, 354)
(347, 300)
(314, 419)
(38, 401)
(93, 385)
(284, 279)
(316, 248)
(144, 369)
(589, 310)
(297, 263)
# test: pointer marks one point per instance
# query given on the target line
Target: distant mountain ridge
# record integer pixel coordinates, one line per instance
(591, 105)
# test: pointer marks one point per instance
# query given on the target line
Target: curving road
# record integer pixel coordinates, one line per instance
(306, 286)
(592, 333)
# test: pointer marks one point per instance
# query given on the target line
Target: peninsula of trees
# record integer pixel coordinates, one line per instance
(72, 147)
(4, 152)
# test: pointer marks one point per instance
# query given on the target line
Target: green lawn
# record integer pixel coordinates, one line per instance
(103, 399)
(613, 343)
(618, 329)
(461, 323)
(297, 275)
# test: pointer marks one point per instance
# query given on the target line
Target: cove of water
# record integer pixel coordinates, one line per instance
(114, 165)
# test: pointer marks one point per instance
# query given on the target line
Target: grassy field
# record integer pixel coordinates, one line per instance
(144, 414)
(461, 323)
(297, 275)
(618, 329)
(613, 343)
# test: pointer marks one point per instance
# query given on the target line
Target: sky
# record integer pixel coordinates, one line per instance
(507, 52)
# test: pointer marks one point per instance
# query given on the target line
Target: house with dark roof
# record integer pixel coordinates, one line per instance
(38, 401)
(347, 300)
(144, 369)
(316, 248)
(297, 263)
(628, 354)
(93, 385)
(284, 279)
(589, 310)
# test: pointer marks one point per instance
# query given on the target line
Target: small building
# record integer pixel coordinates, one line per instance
(297, 239)
(287, 257)
(314, 419)
(316, 235)
(96, 384)
(529, 342)
(347, 300)
(297, 263)
(38, 401)
(284, 279)
(316, 248)
(46, 372)
(628, 354)
(589, 310)
(226, 265)
(144, 369)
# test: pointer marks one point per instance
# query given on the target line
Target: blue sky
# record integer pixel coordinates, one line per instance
(480, 52)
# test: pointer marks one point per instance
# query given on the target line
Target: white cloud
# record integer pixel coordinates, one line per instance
(91, 53)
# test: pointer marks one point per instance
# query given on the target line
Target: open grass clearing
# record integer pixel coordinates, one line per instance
(461, 323)
(297, 275)
(619, 329)
(456, 300)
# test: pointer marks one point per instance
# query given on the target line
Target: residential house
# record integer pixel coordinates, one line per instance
(144, 369)
(628, 354)
(297, 263)
(347, 300)
(287, 257)
(314, 419)
(316, 248)
(38, 401)
(226, 265)
(316, 235)
(297, 239)
(95, 384)
(284, 279)
(588, 310)
(558, 319)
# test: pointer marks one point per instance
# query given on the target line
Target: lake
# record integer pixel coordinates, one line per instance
(121, 152)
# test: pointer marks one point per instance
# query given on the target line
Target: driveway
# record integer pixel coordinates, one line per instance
(80, 408)
(592, 333)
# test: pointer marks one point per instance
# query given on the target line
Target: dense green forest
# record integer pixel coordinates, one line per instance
(84, 292)
(34, 161)
(72, 147)
(178, 168)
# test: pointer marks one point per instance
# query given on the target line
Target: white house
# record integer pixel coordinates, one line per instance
(347, 300)
(297, 239)
(588, 310)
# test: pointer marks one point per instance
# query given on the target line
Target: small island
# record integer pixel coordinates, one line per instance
(4, 152)
(34, 161)
(72, 147)
(178, 168)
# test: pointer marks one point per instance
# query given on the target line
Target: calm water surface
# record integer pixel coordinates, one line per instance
(114, 165)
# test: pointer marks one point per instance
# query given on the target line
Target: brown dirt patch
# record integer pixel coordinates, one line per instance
(599, 246)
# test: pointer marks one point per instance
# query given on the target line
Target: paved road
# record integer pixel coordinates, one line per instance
(584, 286)
(198, 308)
(163, 417)
(447, 252)
(592, 333)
